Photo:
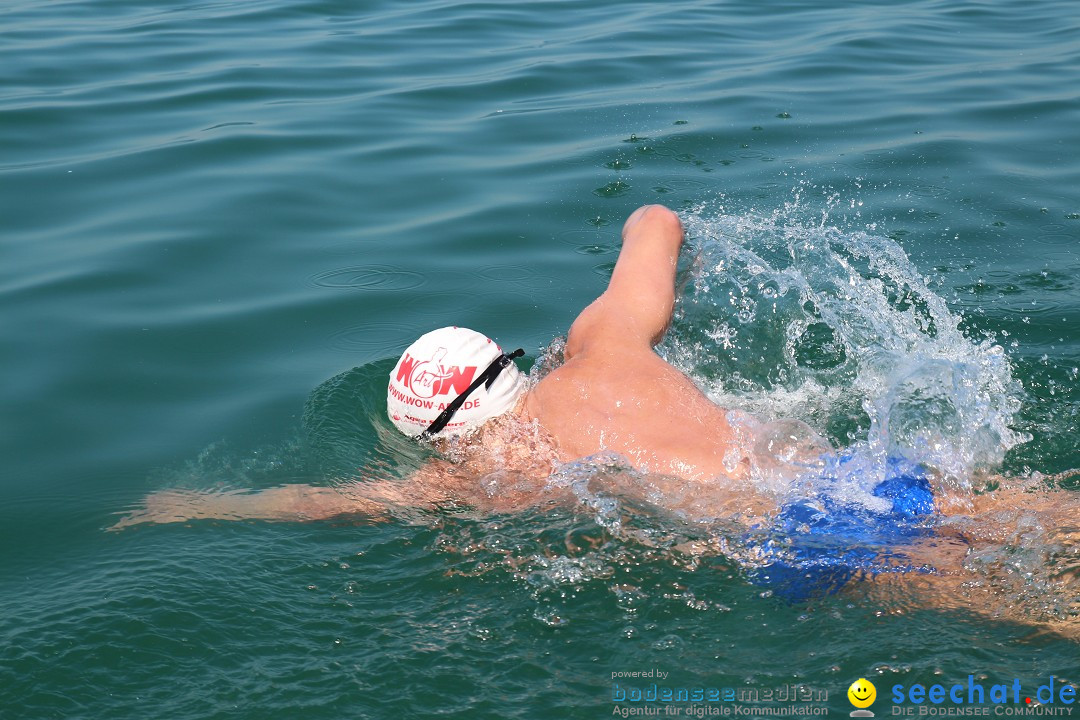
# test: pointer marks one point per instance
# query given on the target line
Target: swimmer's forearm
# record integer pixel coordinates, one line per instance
(299, 503)
(286, 503)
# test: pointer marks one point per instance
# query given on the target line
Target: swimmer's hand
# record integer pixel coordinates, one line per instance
(289, 503)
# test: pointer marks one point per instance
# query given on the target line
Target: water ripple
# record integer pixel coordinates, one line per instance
(369, 336)
(369, 277)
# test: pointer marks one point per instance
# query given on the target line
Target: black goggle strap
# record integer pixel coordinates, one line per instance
(486, 379)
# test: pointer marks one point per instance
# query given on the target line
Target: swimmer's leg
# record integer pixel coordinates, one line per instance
(962, 580)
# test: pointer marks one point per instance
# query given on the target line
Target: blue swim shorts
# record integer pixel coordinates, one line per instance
(816, 545)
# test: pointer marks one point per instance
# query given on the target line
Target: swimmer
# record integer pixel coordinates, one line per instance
(612, 395)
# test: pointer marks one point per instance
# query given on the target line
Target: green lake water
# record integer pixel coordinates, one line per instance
(208, 211)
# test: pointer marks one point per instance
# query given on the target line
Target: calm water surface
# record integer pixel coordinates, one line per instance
(210, 210)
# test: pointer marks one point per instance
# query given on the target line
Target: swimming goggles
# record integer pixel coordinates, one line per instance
(486, 379)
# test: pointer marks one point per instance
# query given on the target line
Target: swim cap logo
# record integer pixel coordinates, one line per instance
(428, 378)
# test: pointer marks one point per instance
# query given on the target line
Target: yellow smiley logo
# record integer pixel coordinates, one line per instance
(862, 693)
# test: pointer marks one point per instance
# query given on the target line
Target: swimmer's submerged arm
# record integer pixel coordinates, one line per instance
(286, 503)
(373, 499)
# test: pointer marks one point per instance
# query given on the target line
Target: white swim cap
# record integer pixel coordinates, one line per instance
(436, 369)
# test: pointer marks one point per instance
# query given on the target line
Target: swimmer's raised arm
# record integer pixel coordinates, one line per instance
(637, 305)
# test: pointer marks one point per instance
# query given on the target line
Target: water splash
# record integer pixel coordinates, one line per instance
(786, 317)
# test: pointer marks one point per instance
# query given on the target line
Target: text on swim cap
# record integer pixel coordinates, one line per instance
(429, 404)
